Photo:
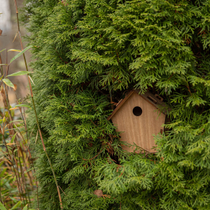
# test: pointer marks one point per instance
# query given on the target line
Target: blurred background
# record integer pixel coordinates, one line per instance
(9, 40)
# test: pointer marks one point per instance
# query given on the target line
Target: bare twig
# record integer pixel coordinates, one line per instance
(31, 92)
(95, 156)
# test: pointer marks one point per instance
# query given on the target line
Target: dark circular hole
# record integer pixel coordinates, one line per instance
(137, 111)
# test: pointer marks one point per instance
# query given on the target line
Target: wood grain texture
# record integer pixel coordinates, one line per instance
(138, 129)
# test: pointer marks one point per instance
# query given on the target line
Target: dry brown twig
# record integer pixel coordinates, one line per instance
(31, 93)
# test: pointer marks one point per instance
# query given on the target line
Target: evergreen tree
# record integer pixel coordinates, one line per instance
(87, 55)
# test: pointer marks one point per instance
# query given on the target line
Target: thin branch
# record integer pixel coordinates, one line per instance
(40, 133)
(95, 156)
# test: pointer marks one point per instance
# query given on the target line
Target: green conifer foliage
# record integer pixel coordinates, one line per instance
(87, 55)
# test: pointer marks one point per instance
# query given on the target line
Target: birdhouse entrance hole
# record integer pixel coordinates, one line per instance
(137, 111)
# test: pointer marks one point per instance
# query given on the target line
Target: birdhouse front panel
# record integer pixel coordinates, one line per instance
(138, 120)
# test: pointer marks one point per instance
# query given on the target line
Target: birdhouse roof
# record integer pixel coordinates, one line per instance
(155, 100)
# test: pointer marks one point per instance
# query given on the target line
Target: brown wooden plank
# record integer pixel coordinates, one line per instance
(138, 129)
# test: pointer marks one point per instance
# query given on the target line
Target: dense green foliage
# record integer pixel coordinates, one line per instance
(87, 55)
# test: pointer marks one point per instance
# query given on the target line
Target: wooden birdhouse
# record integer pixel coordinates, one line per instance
(138, 118)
